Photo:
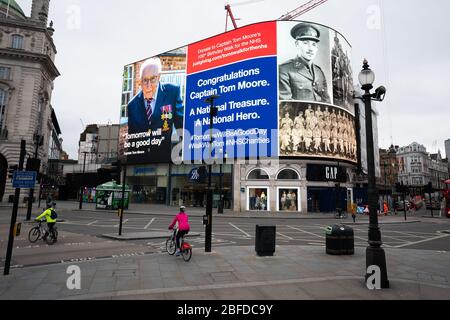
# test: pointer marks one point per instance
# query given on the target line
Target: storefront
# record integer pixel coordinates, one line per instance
(276, 188)
(148, 183)
(189, 183)
(328, 188)
(293, 187)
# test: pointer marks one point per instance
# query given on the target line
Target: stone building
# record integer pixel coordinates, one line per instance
(413, 165)
(438, 171)
(389, 171)
(417, 167)
(27, 72)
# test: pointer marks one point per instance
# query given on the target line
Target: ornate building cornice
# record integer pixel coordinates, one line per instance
(33, 57)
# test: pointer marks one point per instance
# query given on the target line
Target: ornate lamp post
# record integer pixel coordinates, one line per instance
(375, 255)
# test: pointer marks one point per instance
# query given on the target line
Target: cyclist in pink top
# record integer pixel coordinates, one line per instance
(183, 226)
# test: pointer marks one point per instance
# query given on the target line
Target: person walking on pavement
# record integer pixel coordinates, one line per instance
(183, 226)
(50, 217)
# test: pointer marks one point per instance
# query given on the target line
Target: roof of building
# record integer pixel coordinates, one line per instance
(12, 6)
(92, 128)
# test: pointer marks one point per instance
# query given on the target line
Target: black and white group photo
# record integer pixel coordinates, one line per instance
(316, 130)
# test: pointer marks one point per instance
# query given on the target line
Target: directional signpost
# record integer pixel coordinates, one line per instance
(24, 179)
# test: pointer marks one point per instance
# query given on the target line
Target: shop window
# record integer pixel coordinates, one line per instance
(288, 199)
(288, 174)
(258, 174)
(258, 199)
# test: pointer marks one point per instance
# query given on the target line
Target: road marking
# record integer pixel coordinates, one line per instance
(395, 238)
(123, 222)
(422, 241)
(298, 229)
(285, 236)
(246, 234)
(148, 224)
(91, 223)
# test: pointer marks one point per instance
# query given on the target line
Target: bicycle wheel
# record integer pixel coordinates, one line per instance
(34, 235)
(187, 254)
(171, 246)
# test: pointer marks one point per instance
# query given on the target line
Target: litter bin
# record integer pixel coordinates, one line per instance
(265, 240)
(340, 240)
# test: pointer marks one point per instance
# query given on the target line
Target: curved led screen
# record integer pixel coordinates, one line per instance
(281, 88)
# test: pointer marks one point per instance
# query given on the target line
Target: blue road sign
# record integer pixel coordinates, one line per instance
(24, 179)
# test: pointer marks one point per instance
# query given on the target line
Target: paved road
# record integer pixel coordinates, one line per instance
(80, 235)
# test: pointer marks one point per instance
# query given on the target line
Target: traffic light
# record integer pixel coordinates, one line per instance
(401, 188)
(33, 164)
(116, 170)
(11, 171)
(203, 173)
(429, 188)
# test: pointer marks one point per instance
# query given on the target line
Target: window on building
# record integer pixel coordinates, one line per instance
(17, 42)
(5, 73)
(258, 174)
(288, 174)
(3, 97)
(127, 89)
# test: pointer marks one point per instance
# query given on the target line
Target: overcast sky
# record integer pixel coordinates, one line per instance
(405, 42)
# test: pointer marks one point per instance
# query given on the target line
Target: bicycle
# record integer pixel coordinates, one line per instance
(39, 231)
(171, 246)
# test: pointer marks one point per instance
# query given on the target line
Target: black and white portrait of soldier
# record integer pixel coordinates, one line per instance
(306, 75)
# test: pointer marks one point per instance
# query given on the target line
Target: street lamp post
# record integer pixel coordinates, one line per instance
(209, 197)
(375, 255)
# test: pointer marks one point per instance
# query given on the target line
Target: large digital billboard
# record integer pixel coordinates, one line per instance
(282, 88)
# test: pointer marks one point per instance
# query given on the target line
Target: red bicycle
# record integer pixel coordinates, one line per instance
(171, 246)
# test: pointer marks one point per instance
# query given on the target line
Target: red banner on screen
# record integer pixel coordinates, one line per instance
(253, 41)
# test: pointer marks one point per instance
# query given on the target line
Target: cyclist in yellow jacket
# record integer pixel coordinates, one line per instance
(50, 221)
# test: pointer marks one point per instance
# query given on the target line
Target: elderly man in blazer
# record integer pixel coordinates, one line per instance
(300, 78)
(157, 109)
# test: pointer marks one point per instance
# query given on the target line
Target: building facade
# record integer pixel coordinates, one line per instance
(27, 72)
(88, 145)
(413, 162)
(389, 170)
(438, 171)
(108, 141)
(417, 167)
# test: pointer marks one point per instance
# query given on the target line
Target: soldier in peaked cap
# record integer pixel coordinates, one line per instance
(300, 78)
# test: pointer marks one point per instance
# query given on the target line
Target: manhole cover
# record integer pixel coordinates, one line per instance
(223, 276)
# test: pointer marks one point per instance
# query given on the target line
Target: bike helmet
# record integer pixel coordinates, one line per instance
(182, 208)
